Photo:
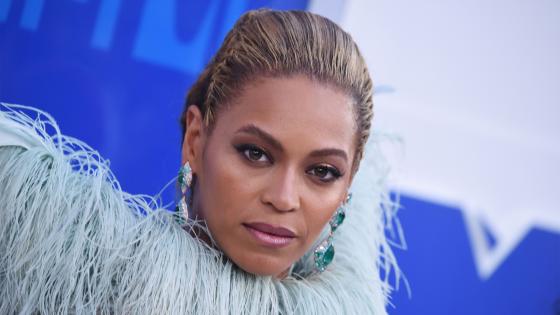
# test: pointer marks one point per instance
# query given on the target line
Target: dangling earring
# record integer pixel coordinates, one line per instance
(185, 180)
(324, 253)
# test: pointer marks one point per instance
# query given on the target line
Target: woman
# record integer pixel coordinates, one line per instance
(274, 131)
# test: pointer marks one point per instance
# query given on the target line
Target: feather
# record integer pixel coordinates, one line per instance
(72, 241)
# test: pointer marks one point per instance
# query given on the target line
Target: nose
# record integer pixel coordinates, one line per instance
(282, 192)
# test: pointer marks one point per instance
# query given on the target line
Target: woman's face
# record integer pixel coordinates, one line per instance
(273, 170)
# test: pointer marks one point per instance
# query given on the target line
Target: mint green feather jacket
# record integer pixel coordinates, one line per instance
(72, 241)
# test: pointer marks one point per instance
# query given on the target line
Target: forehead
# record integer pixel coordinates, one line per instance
(294, 108)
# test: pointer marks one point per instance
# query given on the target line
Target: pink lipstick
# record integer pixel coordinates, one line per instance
(269, 235)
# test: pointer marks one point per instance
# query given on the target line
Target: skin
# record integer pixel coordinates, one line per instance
(280, 154)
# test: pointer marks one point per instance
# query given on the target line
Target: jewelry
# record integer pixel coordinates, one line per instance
(324, 253)
(184, 180)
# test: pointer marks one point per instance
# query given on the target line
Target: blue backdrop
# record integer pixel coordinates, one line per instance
(115, 73)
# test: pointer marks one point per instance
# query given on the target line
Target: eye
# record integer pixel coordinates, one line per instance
(253, 153)
(325, 173)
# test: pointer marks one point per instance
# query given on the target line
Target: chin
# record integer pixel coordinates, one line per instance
(263, 265)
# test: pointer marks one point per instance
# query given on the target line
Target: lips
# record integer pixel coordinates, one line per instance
(270, 236)
(269, 229)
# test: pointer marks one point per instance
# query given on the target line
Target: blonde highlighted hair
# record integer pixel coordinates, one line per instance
(268, 43)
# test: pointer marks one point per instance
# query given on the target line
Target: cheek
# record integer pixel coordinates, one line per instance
(226, 190)
(318, 212)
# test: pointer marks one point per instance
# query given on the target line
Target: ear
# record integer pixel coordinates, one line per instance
(193, 142)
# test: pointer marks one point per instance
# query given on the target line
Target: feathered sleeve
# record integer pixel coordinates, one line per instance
(72, 241)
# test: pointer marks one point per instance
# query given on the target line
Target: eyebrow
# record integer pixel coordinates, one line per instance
(256, 131)
(329, 151)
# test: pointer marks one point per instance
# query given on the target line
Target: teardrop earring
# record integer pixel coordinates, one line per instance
(184, 180)
(324, 253)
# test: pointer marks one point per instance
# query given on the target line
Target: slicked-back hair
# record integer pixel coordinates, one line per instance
(268, 43)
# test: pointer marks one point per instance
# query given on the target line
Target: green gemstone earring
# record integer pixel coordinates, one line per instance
(184, 179)
(324, 253)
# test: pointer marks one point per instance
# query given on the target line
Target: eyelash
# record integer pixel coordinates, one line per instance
(334, 173)
(245, 151)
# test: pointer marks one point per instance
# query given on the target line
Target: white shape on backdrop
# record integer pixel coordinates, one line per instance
(474, 91)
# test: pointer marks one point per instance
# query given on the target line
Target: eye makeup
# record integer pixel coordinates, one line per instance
(325, 173)
(253, 153)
